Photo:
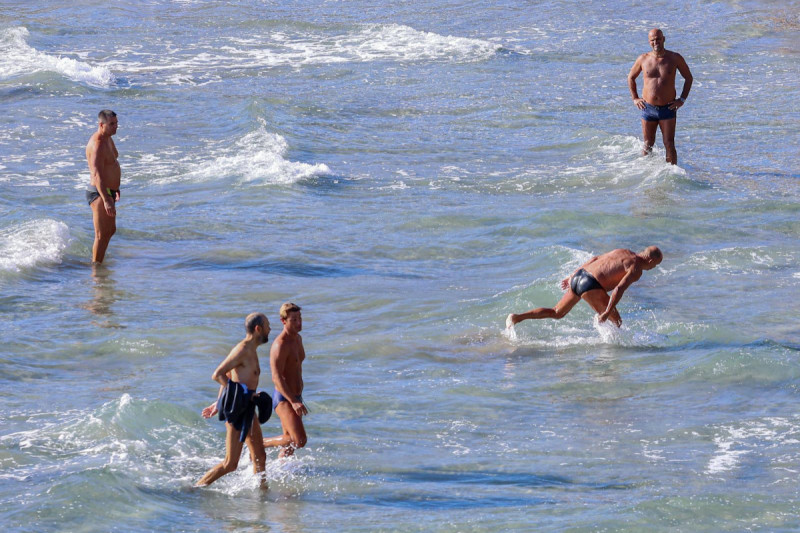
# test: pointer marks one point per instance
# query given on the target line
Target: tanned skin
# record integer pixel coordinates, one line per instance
(102, 154)
(615, 271)
(659, 67)
(286, 363)
(241, 365)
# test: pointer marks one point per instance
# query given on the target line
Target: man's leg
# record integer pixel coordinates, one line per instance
(104, 227)
(255, 444)
(598, 300)
(561, 309)
(668, 136)
(233, 450)
(649, 128)
(294, 434)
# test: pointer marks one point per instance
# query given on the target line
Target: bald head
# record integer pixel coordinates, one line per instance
(653, 256)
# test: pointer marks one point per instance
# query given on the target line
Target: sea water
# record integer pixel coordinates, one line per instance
(409, 173)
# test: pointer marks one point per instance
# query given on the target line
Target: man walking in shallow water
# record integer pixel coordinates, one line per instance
(241, 367)
(101, 154)
(286, 363)
(658, 103)
(614, 271)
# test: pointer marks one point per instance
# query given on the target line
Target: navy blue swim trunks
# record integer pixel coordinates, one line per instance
(277, 398)
(654, 113)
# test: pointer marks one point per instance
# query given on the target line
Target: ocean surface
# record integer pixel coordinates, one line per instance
(409, 173)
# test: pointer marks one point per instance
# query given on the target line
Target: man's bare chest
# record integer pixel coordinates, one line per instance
(659, 68)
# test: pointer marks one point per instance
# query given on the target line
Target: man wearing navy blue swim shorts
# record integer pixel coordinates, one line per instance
(658, 103)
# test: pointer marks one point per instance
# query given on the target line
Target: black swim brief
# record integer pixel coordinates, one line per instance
(92, 194)
(582, 282)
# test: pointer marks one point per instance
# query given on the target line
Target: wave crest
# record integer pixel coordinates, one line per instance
(33, 243)
(259, 156)
(17, 58)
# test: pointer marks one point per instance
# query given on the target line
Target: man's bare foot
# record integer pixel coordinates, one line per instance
(287, 451)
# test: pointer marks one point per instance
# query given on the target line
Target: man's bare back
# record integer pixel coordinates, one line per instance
(611, 267)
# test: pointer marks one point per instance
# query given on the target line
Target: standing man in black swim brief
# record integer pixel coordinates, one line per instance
(614, 271)
(101, 153)
(286, 358)
(658, 103)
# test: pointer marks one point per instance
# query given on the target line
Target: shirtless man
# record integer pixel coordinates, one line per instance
(286, 363)
(658, 103)
(614, 271)
(101, 153)
(240, 366)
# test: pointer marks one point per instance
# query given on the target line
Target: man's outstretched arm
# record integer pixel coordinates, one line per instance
(616, 295)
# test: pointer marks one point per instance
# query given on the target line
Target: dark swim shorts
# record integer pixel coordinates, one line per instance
(654, 113)
(582, 282)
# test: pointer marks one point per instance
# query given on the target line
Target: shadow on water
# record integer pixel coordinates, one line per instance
(430, 485)
(289, 269)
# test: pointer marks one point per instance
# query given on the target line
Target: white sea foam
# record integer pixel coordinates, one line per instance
(735, 442)
(741, 260)
(33, 243)
(17, 57)
(372, 42)
(258, 157)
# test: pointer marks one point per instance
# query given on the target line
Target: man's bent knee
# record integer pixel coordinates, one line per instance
(230, 466)
(104, 235)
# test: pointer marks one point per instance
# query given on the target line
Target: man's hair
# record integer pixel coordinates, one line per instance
(653, 253)
(253, 320)
(105, 115)
(287, 308)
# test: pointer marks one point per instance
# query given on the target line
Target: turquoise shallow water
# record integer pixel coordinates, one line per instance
(409, 174)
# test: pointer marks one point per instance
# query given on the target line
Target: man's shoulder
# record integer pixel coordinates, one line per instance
(239, 350)
(94, 141)
(674, 56)
(278, 344)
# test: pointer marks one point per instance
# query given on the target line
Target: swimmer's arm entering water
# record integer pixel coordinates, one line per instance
(632, 275)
